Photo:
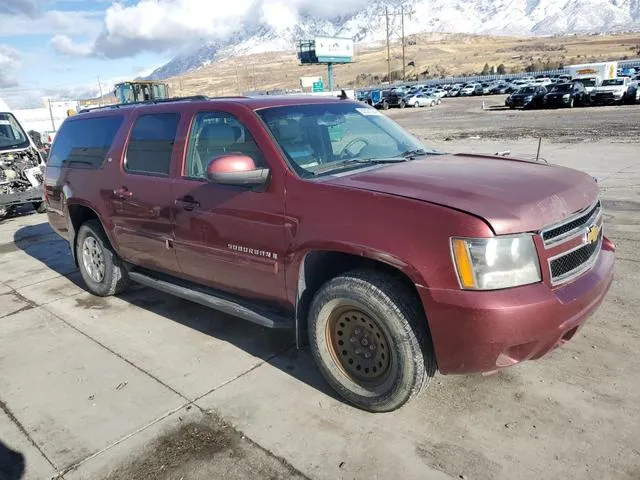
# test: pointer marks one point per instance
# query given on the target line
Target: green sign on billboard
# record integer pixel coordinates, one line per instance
(317, 87)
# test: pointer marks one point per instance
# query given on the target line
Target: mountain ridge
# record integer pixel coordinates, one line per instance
(495, 17)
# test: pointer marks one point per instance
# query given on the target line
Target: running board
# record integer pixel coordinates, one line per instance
(212, 299)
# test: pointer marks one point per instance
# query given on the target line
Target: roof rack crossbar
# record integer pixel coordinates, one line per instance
(146, 102)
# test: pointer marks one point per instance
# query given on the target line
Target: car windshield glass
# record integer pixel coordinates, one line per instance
(612, 82)
(528, 90)
(318, 136)
(564, 87)
(588, 82)
(11, 133)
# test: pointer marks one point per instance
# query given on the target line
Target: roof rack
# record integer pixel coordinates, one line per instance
(147, 102)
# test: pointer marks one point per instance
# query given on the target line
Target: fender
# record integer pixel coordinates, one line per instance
(69, 201)
(300, 293)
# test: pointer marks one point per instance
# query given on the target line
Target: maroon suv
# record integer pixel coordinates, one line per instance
(322, 215)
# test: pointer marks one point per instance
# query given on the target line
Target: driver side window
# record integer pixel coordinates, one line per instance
(213, 134)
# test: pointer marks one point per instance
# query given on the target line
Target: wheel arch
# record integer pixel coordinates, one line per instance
(316, 267)
(79, 213)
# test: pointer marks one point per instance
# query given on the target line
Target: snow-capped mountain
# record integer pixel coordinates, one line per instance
(368, 24)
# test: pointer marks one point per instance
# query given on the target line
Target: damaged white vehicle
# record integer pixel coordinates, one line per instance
(21, 168)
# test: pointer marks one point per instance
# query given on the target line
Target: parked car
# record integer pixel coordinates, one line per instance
(530, 96)
(380, 99)
(422, 100)
(471, 89)
(566, 95)
(617, 90)
(261, 207)
(500, 89)
(21, 167)
(454, 92)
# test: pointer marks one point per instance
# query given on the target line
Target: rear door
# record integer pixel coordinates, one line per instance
(230, 237)
(142, 197)
(80, 147)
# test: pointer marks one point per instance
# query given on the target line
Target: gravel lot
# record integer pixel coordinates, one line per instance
(147, 386)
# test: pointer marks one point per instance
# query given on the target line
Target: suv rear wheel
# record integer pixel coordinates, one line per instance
(370, 339)
(102, 270)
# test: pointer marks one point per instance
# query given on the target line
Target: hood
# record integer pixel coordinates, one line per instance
(610, 88)
(512, 195)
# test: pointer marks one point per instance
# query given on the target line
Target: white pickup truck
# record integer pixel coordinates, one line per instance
(618, 90)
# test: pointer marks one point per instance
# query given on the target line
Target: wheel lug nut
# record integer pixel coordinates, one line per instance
(357, 331)
(372, 347)
(358, 351)
(353, 339)
(367, 355)
(365, 342)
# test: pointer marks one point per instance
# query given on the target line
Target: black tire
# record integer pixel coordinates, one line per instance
(39, 207)
(385, 106)
(116, 278)
(402, 105)
(398, 319)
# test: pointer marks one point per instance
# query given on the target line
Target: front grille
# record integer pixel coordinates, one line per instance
(573, 263)
(572, 226)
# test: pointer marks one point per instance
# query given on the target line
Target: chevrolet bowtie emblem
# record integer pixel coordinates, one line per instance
(593, 234)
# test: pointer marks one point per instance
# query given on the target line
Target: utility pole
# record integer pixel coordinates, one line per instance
(53, 125)
(404, 63)
(100, 89)
(386, 13)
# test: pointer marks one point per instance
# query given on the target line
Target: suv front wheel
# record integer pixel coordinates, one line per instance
(370, 339)
(102, 270)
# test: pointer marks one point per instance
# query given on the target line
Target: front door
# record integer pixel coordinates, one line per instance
(141, 200)
(227, 237)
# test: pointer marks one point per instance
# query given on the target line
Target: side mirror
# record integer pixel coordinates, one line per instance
(236, 169)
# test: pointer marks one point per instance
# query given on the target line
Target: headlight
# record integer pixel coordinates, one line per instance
(566, 96)
(495, 263)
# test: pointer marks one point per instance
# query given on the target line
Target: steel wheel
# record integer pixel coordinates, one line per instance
(359, 346)
(93, 259)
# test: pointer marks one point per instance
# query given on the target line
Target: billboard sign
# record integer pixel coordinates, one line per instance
(334, 49)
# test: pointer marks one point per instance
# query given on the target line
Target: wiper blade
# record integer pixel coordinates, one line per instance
(411, 154)
(353, 161)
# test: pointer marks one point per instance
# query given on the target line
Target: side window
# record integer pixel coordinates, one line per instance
(213, 134)
(84, 143)
(151, 144)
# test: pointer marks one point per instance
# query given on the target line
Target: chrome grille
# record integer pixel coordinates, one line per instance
(570, 264)
(567, 265)
(571, 227)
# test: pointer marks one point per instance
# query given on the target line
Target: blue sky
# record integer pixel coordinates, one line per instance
(59, 48)
(32, 64)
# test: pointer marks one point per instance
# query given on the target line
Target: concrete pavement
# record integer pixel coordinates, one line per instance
(149, 386)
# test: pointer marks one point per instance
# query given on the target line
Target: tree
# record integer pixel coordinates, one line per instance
(502, 69)
(486, 69)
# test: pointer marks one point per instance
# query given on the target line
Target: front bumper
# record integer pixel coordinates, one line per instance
(34, 194)
(475, 331)
(606, 98)
(556, 101)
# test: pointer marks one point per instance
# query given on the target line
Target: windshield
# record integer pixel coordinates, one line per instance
(11, 133)
(588, 82)
(612, 82)
(563, 87)
(527, 90)
(315, 136)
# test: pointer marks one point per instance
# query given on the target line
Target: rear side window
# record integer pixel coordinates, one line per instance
(151, 144)
(84, 143)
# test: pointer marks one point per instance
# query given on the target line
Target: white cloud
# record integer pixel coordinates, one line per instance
(19, 7)
(52, 22)
(63, 44)
(9, 60)
(162, 25)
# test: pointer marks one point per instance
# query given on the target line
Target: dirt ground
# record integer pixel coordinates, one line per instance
(146, 386)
